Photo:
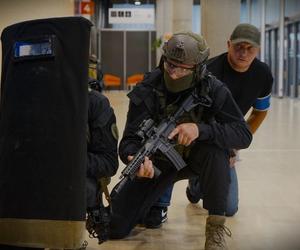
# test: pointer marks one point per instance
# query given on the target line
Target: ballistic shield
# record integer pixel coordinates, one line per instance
(43, 120)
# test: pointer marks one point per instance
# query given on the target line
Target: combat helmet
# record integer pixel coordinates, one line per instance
(187, 48)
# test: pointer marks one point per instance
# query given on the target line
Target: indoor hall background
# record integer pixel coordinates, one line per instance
(250, 11)
(279, 20)
(125, 53)
(269, 171)
(280, 46)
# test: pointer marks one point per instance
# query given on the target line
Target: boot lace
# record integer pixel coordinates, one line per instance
(216, 235)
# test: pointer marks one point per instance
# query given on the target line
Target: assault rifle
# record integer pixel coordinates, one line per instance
(156, 138)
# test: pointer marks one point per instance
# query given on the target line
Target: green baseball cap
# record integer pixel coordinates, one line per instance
(245, 32)
(187, 48)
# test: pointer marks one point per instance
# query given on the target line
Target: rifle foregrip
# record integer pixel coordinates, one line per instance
(133, 166)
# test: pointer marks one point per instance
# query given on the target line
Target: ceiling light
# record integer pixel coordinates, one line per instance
(137, 2)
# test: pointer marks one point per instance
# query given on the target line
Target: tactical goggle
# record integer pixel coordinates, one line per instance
(179, 71)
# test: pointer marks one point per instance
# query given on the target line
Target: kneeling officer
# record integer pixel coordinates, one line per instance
(203, 136)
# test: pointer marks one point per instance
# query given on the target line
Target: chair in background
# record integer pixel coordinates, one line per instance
(111, 81)
(133, 80)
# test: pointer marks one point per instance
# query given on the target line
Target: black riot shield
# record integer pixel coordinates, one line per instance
(43, 117)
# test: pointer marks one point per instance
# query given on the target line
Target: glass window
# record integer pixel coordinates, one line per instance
(274, 48)
(297, 94)
(267, 48)
(196, 19)
(291, 60)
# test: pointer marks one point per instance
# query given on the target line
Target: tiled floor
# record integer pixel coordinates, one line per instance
(269, 182)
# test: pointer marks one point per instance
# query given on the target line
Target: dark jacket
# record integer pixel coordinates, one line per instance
(222, 124)
(102, 144)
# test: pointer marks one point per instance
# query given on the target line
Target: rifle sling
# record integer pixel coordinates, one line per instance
(104, 181)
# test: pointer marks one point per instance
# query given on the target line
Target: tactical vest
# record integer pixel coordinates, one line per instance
(165, 109)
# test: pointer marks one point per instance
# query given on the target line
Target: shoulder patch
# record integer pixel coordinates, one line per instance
(115, 131)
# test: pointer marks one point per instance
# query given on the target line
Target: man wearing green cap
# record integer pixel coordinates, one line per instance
(250, 82)
(202, 137)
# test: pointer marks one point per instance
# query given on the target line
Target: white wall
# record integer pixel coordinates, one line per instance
(14, 11)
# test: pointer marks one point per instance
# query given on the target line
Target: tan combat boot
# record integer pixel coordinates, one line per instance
(215, 233)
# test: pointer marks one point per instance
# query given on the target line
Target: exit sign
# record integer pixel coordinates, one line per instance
(87, 8)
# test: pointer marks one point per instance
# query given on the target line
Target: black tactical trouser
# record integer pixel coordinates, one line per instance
(92, 191)
(137, 196)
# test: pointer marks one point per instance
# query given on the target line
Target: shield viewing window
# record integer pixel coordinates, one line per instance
(34, 48)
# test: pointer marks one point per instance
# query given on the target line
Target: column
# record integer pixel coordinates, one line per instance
(164, 21)
(262, 30)
(182, 15)
(281, 49)
(218, 19)
(172, 16)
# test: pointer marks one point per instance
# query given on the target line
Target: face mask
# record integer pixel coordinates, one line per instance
(179, 84)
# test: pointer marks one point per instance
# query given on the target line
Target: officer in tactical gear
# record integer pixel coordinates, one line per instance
(102, 163)
(203, 137)
(95, 74)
